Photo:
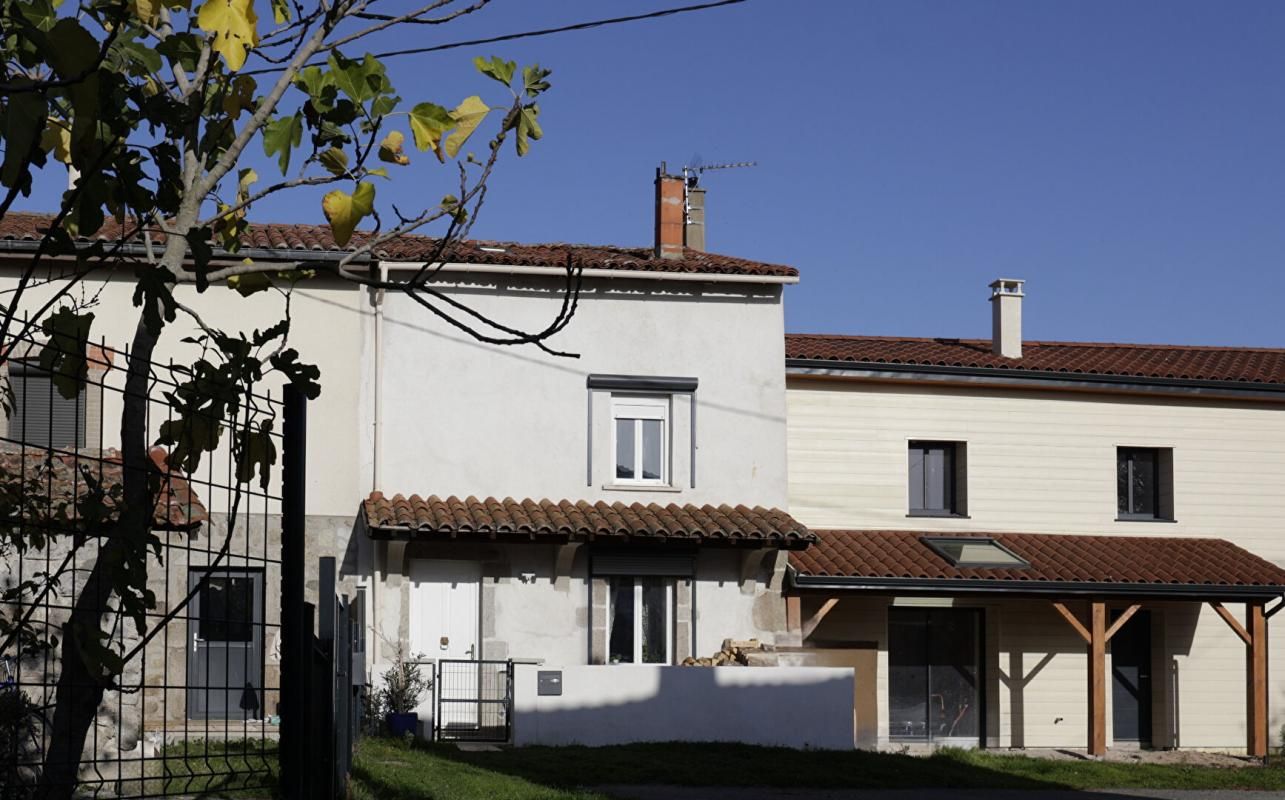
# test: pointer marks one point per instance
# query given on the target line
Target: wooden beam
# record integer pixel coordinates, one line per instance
(1256, 681)
(794, 614)
(812, 622)
(1233, 623)
(1124, 617)
(1070, 617)
(1097, 678)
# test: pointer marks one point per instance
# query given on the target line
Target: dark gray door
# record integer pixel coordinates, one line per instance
(1131, 680)
(225, 646)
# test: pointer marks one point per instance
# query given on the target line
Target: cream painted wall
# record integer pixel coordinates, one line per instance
(327, 330)
(1045, 462)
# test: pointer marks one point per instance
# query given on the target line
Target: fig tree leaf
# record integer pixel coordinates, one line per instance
(345, 211)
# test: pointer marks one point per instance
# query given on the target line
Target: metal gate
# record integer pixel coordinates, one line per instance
(474, 701)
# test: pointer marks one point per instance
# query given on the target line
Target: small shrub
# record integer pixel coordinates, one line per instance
(404, 686)
(19, 743)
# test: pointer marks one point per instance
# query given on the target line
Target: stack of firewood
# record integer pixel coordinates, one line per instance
(737, 653)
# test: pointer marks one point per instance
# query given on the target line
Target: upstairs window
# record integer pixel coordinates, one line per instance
(1144, 483)
(937, 474)
(41, 416)
(640, 440)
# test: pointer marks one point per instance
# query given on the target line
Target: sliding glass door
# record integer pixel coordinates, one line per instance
(934, 675)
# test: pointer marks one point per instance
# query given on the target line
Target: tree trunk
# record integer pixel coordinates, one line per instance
(79, 690)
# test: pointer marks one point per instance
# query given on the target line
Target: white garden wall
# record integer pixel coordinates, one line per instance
(800, 707)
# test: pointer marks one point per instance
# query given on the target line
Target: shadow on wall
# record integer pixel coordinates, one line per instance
(1173, 631)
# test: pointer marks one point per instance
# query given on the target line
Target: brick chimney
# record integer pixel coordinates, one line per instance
(694, 230)
(1006, 317)
(670, 214)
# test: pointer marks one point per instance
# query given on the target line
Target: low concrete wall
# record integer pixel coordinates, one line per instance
(801, 707)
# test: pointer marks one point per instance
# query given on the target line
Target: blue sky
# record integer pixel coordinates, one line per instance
(1126, 159)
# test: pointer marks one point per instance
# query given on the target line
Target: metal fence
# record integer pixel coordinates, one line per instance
(474, 701)
(179, 681)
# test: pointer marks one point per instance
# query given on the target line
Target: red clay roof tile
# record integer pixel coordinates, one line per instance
(66, 483)
(28, 227)
(567, 519)
(1240, 364)
(1054, 558)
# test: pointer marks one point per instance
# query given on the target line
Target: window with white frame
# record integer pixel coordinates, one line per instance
(640, 440)
(640, 620)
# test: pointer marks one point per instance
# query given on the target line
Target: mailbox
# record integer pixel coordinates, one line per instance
(549, 683)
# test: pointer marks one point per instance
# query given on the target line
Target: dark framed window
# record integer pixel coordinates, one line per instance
(1144, 483)
(41, 416)
(935, 675)
(937, 479)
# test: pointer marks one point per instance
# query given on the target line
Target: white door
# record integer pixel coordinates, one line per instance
(445, 616)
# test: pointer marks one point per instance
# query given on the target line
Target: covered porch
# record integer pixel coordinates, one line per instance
(1020, 639)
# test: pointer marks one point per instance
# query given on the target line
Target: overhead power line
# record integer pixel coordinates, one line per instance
(508, 37)
(579, 26)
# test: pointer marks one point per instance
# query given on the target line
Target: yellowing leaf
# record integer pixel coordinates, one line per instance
(145, 10)
(245, 178)
(344, 211)
(56, 138)
(232, 23)
(467, 115)
(390, 149)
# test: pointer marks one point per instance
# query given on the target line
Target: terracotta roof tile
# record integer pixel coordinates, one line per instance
(1053, 558)
(566, 519)
(63, 480)
(1240, 364)
(27, 227)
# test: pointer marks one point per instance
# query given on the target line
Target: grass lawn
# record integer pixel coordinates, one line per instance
(390, 770)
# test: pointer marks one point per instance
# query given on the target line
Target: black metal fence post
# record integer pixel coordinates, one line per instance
(323, 697)
(296, 658)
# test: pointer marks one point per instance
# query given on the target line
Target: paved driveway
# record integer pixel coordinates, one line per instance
(742, 793)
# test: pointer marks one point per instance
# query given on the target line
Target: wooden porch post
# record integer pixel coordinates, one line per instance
(794, 614)
(1096, 636)
(1097, 678)
(1254, 635)
(1256, 680)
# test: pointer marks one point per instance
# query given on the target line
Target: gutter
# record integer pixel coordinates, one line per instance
(807, 367)
(952, 586)
(622, 274)
(219, 254)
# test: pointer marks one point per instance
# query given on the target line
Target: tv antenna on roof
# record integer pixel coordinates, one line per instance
(692, 173)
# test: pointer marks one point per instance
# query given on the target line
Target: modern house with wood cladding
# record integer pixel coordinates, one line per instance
(1042, 544)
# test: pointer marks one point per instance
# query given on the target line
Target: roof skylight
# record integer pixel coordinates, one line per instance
(974, 551)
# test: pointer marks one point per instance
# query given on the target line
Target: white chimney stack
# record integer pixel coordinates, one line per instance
(1006, 317)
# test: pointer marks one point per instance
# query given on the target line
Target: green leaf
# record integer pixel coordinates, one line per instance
(533, 80)
(304, 376)
(24, 122)
(334, 160)
(198, 243)
(72, 50)
(527, 126)
(63, 355)
(256, 450)
(345, 211)
(183, 49)
(496, 68)
(280, 11)
(361, 80)
(249, 283)
(428, 121)
(281, 136)
(152, 293)
(467, 115)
